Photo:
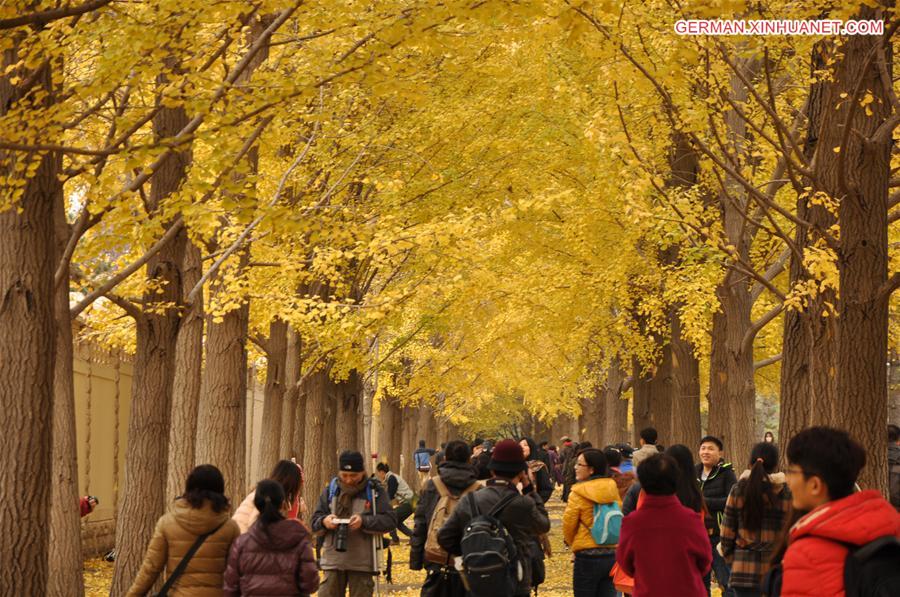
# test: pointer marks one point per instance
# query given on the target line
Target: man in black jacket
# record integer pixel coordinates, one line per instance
(524, 517)
(716, 479)
(457, 475)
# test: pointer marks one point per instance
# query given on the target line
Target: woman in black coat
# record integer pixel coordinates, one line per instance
(537, 469)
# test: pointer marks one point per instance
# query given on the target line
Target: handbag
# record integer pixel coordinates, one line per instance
(182, 565)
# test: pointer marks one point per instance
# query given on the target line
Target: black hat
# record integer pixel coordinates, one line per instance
(351, 462)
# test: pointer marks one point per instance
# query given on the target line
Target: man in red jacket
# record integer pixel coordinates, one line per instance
(662, 544)
(824, 466)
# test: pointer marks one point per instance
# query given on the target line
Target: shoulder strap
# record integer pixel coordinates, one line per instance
(440, 486)
(473, 505)
(471, 488)
(182, 565)
(495, 511)
(332, 489)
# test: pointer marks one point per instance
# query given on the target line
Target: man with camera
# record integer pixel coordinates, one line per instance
(353, 513)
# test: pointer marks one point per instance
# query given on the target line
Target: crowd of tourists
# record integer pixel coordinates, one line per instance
(644, 522)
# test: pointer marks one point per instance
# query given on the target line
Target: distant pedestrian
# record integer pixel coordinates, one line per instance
(663, 544)
(276, 556)
(86, 504)
(648, 438)
(769, 437)
(199, 517)
(537, 469)
(624, 481)
(422, 460)
(754, 516)
(401, 497)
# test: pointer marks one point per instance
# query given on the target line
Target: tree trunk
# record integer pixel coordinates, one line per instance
(146, 455)
(66, 567)
(390, 427)
(732, 390)
(319, 461)
(641, 403)
(593, 410)
(27, 349)
(615, 419)
(221, 435)
(276, 361)
(862, 188)
(346, 398)
(187, 379)
(408, 445)
(685, 387)
(425, 425)
(291, 429)
(807, 366)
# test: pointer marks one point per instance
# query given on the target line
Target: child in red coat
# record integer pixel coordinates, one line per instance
(824, 466)
(663, 545)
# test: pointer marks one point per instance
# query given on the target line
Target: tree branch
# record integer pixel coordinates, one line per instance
(46, 16)
(766, 362)
(111, 283)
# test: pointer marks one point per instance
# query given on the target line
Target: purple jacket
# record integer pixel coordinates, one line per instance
(279, 563)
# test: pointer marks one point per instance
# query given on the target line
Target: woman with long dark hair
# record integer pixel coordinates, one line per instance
(754, 515)
(276, 556)
(202, 510)
(688, 491)
(289, 475)
(538, 470)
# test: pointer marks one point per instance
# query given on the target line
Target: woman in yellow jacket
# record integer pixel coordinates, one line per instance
(202, 509)
(593, 562)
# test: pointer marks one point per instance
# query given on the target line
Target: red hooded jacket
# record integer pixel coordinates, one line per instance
(814, 561)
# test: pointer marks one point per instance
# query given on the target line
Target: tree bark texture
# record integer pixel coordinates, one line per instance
(146, 455)
(808, 349)
(859, 176)
(66, 566)
(187, 380)
(27, 349)
(292, 429)
(276, 356)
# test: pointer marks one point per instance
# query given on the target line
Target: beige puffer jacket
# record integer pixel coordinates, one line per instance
(174, 535)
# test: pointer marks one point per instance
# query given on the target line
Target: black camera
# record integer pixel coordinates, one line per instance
(341, 533)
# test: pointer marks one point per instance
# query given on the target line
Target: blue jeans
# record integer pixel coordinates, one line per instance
(590, 576)
(720, 568)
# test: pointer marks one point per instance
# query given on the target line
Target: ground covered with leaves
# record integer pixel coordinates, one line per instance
(98, 573)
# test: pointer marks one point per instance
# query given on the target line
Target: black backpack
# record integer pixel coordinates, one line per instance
(870, 570)
(873, 569)
(489, 557)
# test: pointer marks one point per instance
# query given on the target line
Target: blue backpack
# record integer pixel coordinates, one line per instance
(607, 524)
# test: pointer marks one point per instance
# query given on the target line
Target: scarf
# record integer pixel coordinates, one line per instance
(343, 506)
